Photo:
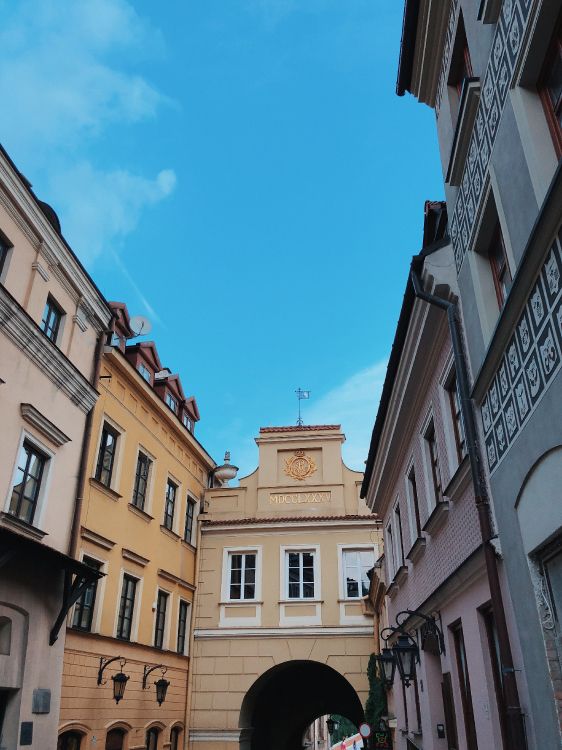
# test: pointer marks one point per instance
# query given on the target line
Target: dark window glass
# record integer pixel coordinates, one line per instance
(242, 575)
(52, 317)
(400, 551)
(161, 606)
(413, 488)
(461, 65)
(106, 455)
(464, 684)
(126, 607)
(550, 88)
(182, 626)
(84, 608)
(4, 250)
(434, 461)
(69, 741)
(175, 736)
(189, 513)
(141, 480)
(458, 425)
(301, 575)
(500, 267)
(170, 506)
(27, 486)
(152, 739)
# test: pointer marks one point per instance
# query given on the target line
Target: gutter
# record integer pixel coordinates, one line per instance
(513, 712)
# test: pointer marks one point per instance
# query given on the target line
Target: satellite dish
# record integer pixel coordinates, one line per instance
(140, 325)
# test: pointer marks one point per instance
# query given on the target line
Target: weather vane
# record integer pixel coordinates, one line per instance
(300, 395)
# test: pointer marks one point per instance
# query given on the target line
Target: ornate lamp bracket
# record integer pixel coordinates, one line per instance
(147, 670)
(106, 662)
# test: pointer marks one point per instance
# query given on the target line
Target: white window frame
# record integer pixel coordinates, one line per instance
(141, 373)
(46, 476)
(171, 397)
(137, 606)
(284, 571)
(342, 549)
(185, 651)
(167, 624)
(225, 593)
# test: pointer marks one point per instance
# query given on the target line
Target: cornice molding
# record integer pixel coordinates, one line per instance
(26, 335)
(49, 430)
(306, 631)
(128, 554)
(97, 539)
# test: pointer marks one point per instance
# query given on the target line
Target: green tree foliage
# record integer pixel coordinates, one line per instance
(346, 728)
(375, 707)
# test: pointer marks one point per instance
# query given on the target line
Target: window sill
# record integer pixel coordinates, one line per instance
(96, 484)
(189, 546)
(437, 518)
(392, 590)
(301, 601)
(352, 599)
(468, 107)
(22, 527)
(170, 533)
(401, 575)
(459, 481)
(416, 550)
(140, 513)
(239, 602)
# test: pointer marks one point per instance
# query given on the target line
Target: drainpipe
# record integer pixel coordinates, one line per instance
(81, 481)
(514, 714)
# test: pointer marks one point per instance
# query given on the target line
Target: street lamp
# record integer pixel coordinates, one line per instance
(406, 653)
(386, 666)
(161, 690)
(119, 683)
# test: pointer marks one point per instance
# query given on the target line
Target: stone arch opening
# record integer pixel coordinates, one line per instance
(285, 700)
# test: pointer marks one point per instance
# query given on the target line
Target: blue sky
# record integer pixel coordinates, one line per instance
(241, 172)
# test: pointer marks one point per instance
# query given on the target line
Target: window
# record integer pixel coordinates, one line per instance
(242, 575)
(4, 250)
(172, 403)
(464, 684)
(182, 626)
(187, 421)
(300, 567)
(399, 539)
(69, 741)
(461, 65)
(84, 608)
(414, 502)
(434, 462)
(144, 371)
(115, 739)
(141, 480)
(25, 493)
(152, 739)
(456, 414)
(356, 564)
(106, 456)
(170, 506)
(126, 607)
(189, 514)
(550, 88)
(175, 736)
(389, 549)
(52, 317)
(500, 267)
(161, 607)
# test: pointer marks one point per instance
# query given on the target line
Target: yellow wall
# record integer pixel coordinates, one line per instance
(127, 540)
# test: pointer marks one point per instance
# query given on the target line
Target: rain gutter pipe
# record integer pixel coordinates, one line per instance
(514, 714)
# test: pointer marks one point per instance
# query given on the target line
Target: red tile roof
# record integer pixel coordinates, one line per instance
(301, 428)
(287, 519)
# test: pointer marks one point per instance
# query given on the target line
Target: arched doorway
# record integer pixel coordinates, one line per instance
(286, 699)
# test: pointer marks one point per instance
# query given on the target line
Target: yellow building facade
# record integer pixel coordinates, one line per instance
(283, 629)
(145, 479)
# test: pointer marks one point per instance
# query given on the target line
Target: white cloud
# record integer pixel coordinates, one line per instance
(67, 69)
(353, 404)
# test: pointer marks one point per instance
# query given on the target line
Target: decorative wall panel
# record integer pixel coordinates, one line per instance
(529, 364)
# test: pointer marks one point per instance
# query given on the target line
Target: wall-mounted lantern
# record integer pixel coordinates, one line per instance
(386, 664)
(405, 652)
(161, 684)
(119, 680)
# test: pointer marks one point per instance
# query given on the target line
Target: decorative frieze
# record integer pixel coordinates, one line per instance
(529, 364)
(497, 80)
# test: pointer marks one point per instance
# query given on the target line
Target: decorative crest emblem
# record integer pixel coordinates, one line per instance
(299, 466)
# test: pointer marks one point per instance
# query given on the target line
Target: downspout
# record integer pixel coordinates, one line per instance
(86, 440)
(514, 714)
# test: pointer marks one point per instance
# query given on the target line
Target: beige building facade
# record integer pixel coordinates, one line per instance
(282, 630)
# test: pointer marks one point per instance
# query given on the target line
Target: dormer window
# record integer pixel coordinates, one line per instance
(171, 402)
(144, 371)
(188, 421)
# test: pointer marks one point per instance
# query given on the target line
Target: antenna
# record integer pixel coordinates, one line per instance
(301, 395)
(140, 326)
